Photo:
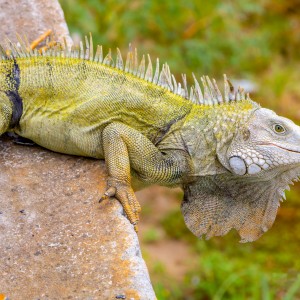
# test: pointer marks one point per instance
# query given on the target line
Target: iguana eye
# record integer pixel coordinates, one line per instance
(278, 128)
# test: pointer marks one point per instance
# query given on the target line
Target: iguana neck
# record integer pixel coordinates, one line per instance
(209, 130)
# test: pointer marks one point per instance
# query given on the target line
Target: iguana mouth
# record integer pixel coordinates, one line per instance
(286, 149)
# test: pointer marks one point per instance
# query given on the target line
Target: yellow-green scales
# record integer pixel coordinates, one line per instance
(71, 100)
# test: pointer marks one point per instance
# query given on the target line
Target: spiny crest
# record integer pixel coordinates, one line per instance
(209, 94)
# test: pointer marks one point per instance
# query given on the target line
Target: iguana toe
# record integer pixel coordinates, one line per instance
(125, 194)
(109, 193)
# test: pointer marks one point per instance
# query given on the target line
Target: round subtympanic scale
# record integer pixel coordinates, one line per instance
(237, 165)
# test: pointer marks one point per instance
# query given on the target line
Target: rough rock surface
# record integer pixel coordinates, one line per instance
(31, 18)
(57, 241)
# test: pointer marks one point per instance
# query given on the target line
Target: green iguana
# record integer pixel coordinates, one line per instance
(233, 158)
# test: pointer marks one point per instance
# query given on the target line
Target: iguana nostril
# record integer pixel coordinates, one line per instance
(237, 165)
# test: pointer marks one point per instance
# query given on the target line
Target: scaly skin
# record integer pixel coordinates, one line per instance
(150, 132)
(79, 107)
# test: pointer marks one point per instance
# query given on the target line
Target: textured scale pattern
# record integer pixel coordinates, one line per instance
(226, 202)
(149, 128)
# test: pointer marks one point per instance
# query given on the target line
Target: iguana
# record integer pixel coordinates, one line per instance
(233, 158)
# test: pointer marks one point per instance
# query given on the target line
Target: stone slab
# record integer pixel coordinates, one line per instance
(57, 241)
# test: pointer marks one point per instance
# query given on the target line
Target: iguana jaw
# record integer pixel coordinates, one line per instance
(289, 149)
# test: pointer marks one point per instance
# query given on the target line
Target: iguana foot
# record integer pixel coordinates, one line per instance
(125, 194)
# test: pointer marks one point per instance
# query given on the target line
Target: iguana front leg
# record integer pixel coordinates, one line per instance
(126, 148)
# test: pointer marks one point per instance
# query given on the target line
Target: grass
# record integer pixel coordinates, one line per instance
(224, 269)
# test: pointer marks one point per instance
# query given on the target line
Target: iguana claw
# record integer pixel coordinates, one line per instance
(127, 198)
(109, 193)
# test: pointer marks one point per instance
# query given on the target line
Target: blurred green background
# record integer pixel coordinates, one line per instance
(257, 41)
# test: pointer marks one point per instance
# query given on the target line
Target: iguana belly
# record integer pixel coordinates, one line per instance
(62, 136)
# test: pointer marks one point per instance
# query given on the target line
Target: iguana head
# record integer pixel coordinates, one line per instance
(266, 142)
(261, 160)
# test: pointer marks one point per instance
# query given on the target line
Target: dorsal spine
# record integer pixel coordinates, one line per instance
(208, 95)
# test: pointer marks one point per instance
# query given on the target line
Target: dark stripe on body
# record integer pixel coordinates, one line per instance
(163, 131)
(13, 78)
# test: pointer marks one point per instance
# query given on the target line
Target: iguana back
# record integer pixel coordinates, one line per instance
(74, 98)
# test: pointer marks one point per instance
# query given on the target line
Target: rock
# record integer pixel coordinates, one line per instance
(32, 18)
(57, 241)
